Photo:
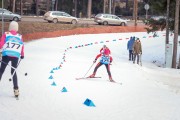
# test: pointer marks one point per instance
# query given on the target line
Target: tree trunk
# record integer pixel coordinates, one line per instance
(14, 4)
(104, 6)
(89, 8)
(114, 6)
(56, 5)
(167, 29)
(47, 5)
(37, 7)
(110, 6)
(167, 23)
(84, 13)
(135, 12)
(75, 8)
(176, 26)
(21, 7)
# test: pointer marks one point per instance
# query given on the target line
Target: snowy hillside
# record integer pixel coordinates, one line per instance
(147, 92)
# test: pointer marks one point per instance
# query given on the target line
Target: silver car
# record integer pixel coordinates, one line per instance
(106, 19)
(59, 16)
(7, 15)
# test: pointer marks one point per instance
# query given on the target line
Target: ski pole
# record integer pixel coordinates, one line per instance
(13, 67)
(140, 59)
(89, 69)
(14, 70)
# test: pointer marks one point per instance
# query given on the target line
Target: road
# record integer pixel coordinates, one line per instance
(81, 21)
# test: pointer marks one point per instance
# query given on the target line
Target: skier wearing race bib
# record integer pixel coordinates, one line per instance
(12, 49)
(105, 59)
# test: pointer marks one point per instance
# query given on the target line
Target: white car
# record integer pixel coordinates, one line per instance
(7, 15)
(106, 19)
(59, 16)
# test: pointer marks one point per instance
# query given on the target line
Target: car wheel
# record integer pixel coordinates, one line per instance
(55, 20)
(123, 24)
(74, 22)
(105, 23)
(16, 19)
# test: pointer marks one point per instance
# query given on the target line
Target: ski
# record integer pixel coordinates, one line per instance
(115, 82)
(86, 78)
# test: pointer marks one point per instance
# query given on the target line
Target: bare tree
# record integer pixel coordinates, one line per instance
(110, 6)
(104, 6)
(89, 8)
(47, 5)
(75, 8)
(114, 6)
(37, 7)
(56, 5)
(14, 5)
(135, 12)
(176, 26)
(167, 23)
(21, 7)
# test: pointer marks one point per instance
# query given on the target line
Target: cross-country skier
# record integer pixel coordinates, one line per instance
(105, 59)
(12, 49)
(103, 48)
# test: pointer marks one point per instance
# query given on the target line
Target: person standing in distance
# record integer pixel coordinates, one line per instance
(130, 48)
(12, 50)
(137, 50)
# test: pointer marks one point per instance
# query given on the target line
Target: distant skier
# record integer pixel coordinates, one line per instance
(12, 50)
(137, 50)
(103, 48)
(130, 47)
(105, 59)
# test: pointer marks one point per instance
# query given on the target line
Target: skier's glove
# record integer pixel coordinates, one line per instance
(94, 61)
(22, 57)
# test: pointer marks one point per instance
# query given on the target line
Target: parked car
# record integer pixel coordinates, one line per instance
(7, 15)
(106, 19)
(158, 18)
(59, 16)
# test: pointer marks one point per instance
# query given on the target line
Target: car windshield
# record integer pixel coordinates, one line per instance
(67, 15)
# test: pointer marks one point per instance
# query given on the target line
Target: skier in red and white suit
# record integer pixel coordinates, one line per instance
(105, 59)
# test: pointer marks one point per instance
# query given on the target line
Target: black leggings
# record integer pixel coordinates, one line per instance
(14, 62)
(107, 68)
(131, 55)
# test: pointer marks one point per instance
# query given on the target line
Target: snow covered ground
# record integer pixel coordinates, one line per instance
(147, 92)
